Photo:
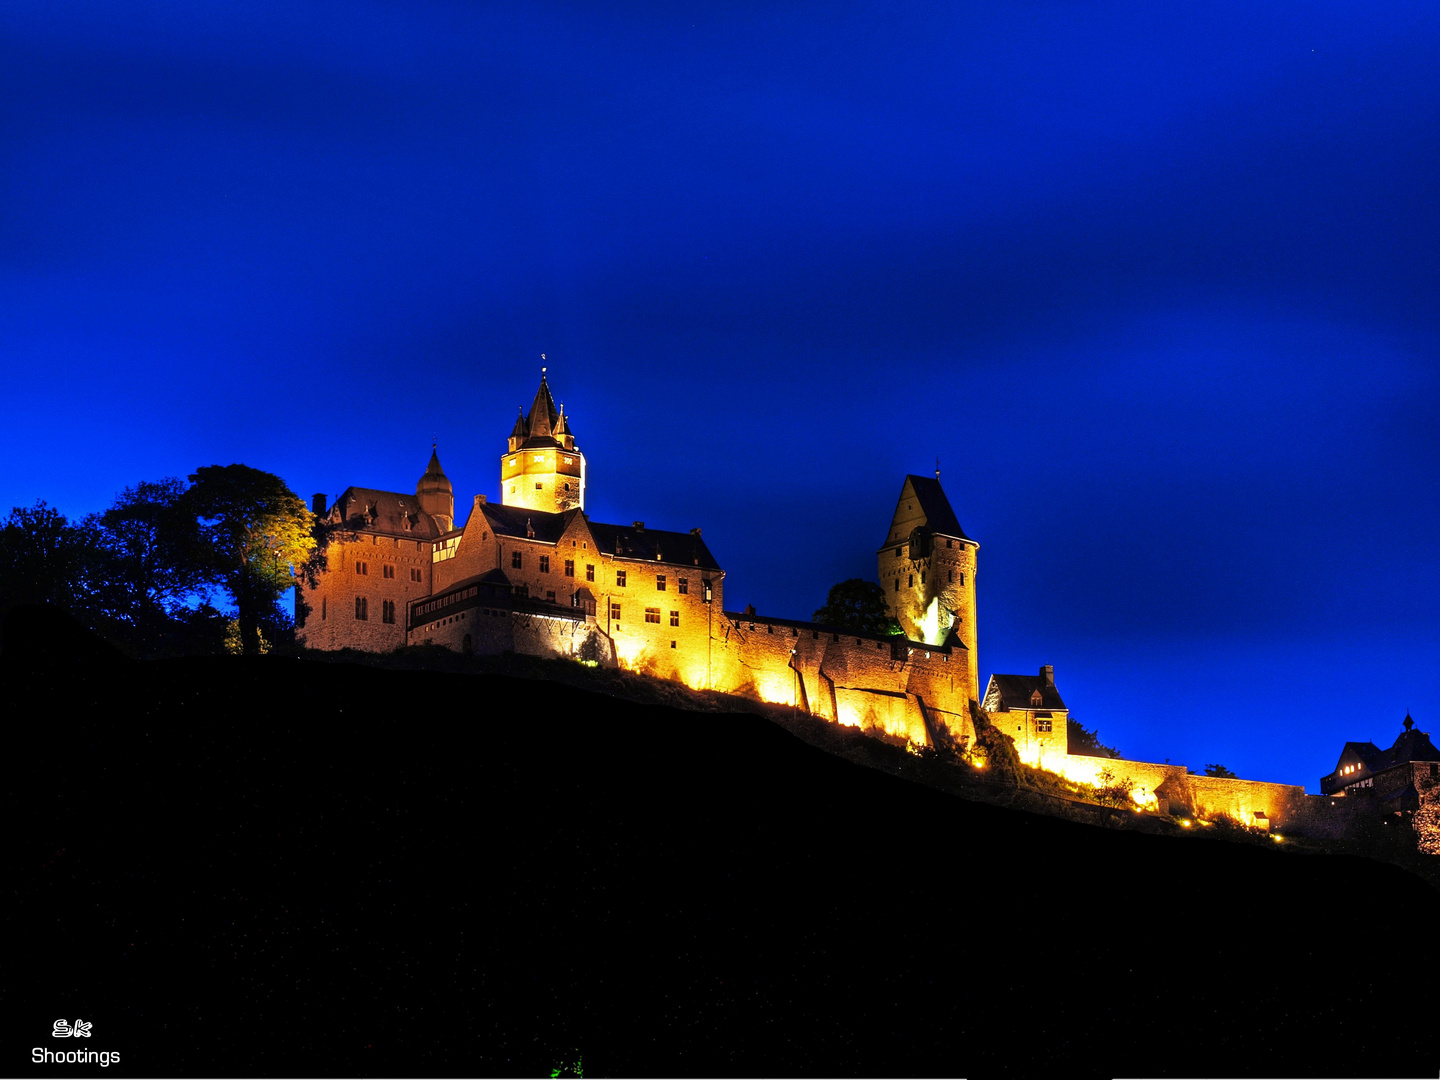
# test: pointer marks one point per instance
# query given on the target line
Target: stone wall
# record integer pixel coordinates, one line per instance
(901, 689)
(357, 565)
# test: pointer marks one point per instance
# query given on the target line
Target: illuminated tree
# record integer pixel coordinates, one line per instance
(256, 533)
(1426, 819)
(857, 605)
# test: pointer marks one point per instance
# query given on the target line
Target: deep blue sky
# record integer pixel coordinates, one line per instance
(1156, 282)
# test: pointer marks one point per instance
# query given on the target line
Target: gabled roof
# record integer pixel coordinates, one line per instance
(1015, 692)
(1366, 753)
(385, 512)
(1410, 746)
(653, 545)
(619, 541)
(523, 522)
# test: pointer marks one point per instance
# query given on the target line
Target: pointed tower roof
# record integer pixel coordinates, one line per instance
(543, 414)
(434, 478)
(519, 430)
(563, 428)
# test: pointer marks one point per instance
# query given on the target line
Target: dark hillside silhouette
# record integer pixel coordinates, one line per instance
(260, 865)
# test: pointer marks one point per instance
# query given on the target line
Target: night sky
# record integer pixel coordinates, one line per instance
(1157, 284)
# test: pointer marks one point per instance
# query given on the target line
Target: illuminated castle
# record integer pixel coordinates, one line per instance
(533, 574)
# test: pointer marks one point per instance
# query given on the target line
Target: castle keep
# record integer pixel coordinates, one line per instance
(533, 574)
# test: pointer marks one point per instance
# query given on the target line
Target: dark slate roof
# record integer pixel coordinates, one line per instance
(385, 512)
(653, 545)
(939, 517)
(1410, 746)
(622, 541)
(520, 521)
(1015, 691)
(543, 415)
(1367, 753)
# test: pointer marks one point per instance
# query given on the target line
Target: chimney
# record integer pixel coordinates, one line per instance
(638, 526)
(317, 504)
(479, 500)
(1047, 672)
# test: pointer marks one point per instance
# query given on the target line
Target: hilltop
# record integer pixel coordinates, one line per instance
(277, 865)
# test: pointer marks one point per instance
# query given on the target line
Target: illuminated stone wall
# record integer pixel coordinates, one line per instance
(333, 622)
(542, 478)
(904, 690)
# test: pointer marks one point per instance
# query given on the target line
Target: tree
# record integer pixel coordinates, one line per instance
(256, 533)
(150, 561)
(1086, 741)
(1220, 771)
(43, 559)
(857, 605)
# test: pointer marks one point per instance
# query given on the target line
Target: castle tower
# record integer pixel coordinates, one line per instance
(435, 495)
(927, 569)
(541, 469)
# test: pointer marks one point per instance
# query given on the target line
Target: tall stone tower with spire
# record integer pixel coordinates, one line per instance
(541, 469)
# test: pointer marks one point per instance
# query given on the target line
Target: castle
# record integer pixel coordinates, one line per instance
(534, 574)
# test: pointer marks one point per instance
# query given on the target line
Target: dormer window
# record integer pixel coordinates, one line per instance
(1036, 699)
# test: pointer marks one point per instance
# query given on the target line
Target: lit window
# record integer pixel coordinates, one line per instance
(659, 582)
(1042, 725)
(361, 609)
(569, 567)
(683, 585)
(515, 560)
(615, 611)
(652, 614)
(674, 618)
(589, 572)
(544, 564)
(620, 578)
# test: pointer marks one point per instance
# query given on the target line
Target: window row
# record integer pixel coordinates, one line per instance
(362, 610)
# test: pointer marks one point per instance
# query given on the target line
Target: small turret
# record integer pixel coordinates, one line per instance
(518, 432)
(435, 494)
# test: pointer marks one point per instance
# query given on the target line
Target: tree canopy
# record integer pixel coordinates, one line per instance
(1219, 770)
(256, 533)
(1086, 741)
(857, 604)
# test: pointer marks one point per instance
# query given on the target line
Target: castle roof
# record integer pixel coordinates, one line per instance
(618, 541)
(653, 545)
(434, 478)
(939, 517)
(543, 417)
(1017, 692)
(388, 513)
